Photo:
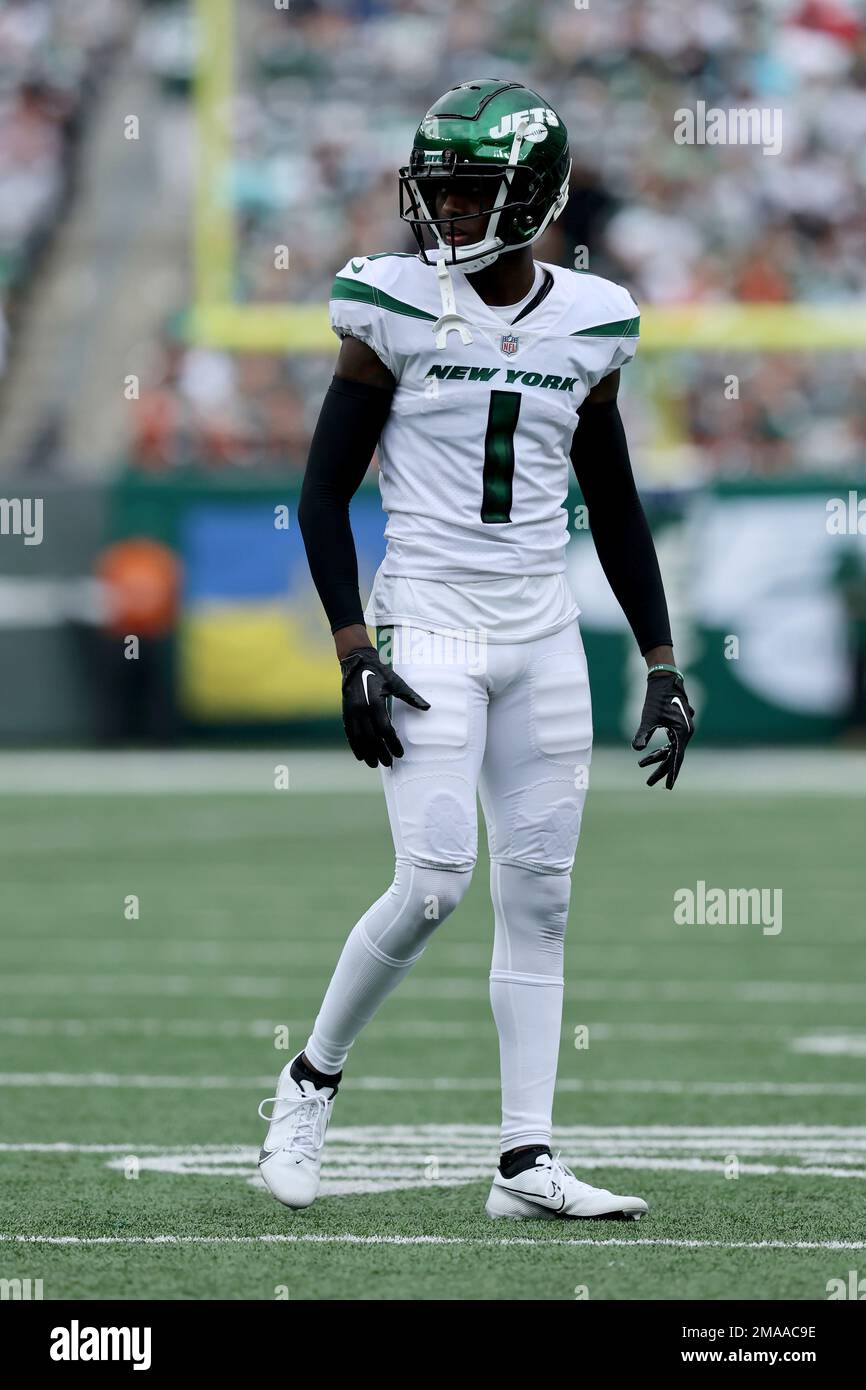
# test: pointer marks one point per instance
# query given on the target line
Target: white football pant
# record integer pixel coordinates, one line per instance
(512, 722)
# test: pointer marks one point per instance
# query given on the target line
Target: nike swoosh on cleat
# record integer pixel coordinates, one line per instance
(677, 701)
(265, 1154)
(536, 1197)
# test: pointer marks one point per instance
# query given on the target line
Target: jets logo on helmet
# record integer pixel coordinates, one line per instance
(521, 186)
(509, 123)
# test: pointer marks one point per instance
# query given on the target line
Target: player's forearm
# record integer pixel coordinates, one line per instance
(323, 517)
(659, 656)
(350, 639)
(627, 555)
(345, 438)
(619, 527)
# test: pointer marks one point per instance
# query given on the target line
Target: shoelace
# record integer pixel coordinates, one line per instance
(559, 1172)
(557, 1177)
(309, 1117)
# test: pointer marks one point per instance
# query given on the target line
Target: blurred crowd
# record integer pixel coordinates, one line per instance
(328, 93)
(52, 56)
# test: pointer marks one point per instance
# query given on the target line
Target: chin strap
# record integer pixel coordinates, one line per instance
(449, 321)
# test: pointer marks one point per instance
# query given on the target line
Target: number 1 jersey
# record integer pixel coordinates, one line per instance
(474, 457)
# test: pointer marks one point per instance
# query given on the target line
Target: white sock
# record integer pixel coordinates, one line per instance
(380, 951)
(526, 990)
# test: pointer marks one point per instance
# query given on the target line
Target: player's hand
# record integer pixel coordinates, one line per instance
(367, 683)
(666, 707)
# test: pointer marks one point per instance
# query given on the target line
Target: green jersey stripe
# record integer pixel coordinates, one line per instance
(368, 294)
(623, 328)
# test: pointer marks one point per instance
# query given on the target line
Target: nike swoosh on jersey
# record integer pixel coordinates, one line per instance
(677, 701)
(358, 267)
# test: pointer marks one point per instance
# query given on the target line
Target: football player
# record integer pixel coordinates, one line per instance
(481, 376)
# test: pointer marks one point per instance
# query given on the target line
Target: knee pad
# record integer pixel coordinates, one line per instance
(531, 912)
(543, 834)
(398, 926)
(437, 822)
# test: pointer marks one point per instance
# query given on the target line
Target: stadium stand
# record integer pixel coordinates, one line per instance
(313, 168)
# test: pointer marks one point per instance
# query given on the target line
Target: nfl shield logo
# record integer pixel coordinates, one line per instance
(509, 344)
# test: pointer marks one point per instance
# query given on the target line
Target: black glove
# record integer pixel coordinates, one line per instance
(366, 686)
(666, 707)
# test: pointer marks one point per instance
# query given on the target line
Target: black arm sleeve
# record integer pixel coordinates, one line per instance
(346, 435)
(599, 455)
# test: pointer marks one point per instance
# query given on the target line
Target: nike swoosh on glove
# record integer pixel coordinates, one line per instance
(666, 707)
(367, 683)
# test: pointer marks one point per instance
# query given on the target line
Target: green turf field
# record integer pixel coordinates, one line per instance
(725, 1077)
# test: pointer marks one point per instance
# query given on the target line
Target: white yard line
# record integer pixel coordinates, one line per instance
(831, 1045)
(424, 1085)
(238, 1028)
(442, 1030)
(349, 1239)
(376, 1159)
(726, 772)
(41, 933)
(453, 988)
(818, 1139)
(284, 950)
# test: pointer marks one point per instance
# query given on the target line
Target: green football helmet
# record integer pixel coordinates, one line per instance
(486, 136)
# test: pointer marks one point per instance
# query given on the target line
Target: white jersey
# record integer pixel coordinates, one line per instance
(475, 455)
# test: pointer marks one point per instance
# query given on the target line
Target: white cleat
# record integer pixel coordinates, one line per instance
(551, 1190)
(290, 1161)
